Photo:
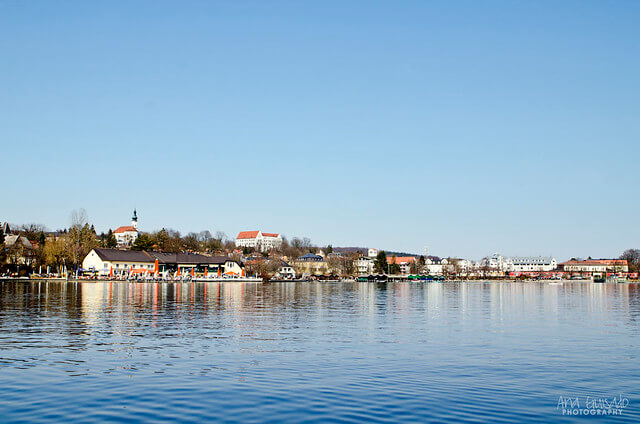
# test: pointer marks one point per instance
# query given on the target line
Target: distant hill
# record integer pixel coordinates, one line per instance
(361, 250)
(365, 251)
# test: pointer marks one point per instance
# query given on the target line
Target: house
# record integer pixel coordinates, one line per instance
(364, 265)
(434, 266)
(125, 236)
(497, 263)
(259, 240)
(589, 266)
(19, 249)
(118, 262)
(404, 262)
(311, 264)
(286, 271)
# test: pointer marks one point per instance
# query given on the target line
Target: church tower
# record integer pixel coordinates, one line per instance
(134, 220)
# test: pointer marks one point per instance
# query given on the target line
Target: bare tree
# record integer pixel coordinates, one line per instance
(632, 256)
(82, 237)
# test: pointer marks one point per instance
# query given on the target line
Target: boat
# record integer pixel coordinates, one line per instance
(599, 278)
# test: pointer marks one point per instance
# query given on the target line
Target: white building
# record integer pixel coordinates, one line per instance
(125, 236)
(533, 263)
(364, 265)
(259, 240)
(118, 262)
(286, 271)
(373, 253)
(434, 266)
(497, 262)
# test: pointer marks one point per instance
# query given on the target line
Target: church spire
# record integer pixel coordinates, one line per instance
(134, 219)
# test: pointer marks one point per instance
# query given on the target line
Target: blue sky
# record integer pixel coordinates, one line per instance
(469, 127)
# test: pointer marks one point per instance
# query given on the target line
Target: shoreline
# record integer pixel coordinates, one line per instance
(260, 281)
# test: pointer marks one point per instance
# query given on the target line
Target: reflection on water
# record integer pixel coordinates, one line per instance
(314, 351)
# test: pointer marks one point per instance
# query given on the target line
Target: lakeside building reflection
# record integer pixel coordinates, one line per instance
(123, 307)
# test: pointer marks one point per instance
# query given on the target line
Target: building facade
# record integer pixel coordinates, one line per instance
(404, 262)
(364, 265)
(122, 262)
(286, 271)
(259, 240)
(125, 236)
(588, 266)
(532, 264)
(310, 264)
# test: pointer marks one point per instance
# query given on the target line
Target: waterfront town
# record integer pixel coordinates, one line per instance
(127, 252)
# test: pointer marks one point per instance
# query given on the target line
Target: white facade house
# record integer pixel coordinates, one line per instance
(259, 240)
(286, 271)
(364, 265)
(434, 267)
(106, 261)
(497, 262)
(373, 253)
(448, 266)
(125, 236)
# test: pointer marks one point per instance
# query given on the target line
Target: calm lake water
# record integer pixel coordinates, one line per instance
(316, 352)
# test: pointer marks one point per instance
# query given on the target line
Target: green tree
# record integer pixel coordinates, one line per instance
(162, 239)
(142, 242)
(380, 263)
(191, 242)
(111, 241)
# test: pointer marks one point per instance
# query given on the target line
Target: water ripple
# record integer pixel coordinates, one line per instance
(313, 352)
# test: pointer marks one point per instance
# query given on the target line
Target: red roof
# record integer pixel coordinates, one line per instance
(401, 259)
(596, 262)
(125, 229)
(270, 234)
(247, 235)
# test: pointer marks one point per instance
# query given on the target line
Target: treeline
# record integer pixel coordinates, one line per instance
(69, 246)
(633, 259)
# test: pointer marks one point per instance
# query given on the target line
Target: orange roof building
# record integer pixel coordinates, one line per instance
(258, 240)
(126, 228)
(595, 265)
(126, 235)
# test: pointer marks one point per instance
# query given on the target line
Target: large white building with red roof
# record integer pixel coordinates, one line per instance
(259, 240)
(126, 235)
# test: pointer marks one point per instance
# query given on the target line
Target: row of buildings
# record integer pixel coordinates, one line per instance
(495, 265)
(121, 260)
(117, 262)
